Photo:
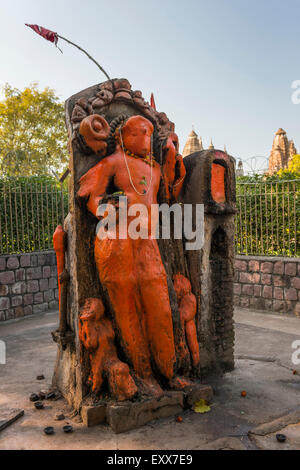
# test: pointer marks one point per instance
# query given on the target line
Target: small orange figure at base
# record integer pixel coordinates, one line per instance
(97, 336)
(180, 384)
(187, 308)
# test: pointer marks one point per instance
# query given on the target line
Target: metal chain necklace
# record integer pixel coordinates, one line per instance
(128, 170)
(174, 185)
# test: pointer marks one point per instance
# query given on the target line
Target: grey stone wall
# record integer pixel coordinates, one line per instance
(28, 284)
(267, 283)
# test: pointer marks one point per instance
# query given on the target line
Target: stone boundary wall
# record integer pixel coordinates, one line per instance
(267, 283)
(28, 284)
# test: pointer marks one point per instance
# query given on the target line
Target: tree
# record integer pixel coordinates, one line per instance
(293, 169)
(33, 138)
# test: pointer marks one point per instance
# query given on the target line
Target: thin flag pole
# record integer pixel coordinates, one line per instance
(87, 54)
(53, 37)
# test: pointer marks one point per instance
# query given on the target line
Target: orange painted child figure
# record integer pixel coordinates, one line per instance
(97, 336)
(187, 304)
(132, 270)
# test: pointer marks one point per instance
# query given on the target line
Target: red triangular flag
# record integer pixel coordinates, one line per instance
(45, 33)
(152, 102)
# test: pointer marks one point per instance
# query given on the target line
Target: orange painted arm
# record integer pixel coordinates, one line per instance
(59, 245)
(94, 183)
(172, 163)
(178, 183)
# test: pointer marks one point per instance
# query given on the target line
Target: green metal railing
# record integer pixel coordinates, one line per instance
(30, 210)
(267, 222)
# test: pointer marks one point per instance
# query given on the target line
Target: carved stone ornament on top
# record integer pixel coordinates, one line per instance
(109, 92)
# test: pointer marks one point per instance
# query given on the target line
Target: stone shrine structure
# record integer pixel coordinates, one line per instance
(143, 321)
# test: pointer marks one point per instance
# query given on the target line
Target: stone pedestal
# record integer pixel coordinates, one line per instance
(129, 415)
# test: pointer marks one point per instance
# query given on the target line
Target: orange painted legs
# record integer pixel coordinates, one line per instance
(156, 305)
(115, 264)
(158, 320)
(122, 297)
(134, 276)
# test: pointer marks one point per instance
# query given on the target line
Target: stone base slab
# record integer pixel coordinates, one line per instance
(124, 416)
(264, 435)
(276, 425)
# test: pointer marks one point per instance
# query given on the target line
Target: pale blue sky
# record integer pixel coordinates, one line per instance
(224, 66)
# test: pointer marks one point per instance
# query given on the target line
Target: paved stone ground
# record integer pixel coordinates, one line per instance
(263, 369)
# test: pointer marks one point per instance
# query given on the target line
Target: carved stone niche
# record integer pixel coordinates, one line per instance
(179, 326)
(210, 180)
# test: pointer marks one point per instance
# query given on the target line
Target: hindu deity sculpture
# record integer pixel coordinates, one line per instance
(135, 323)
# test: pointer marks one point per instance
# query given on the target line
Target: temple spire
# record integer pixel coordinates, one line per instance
(282, 152)
(200, 143)
(192, 144)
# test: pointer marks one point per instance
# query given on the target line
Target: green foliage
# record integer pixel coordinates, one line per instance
(293, 169)
(33, 138)
(30, 210)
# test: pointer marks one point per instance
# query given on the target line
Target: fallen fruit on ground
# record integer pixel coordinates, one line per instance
(243, 393)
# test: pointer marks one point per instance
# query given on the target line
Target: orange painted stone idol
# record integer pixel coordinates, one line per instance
(132, 270)
(145, 313)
